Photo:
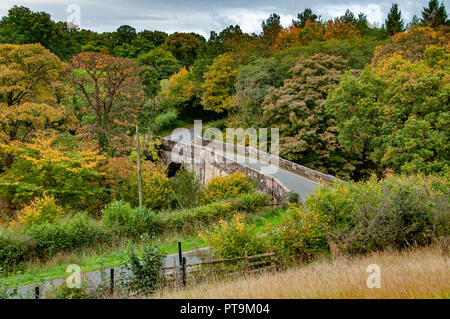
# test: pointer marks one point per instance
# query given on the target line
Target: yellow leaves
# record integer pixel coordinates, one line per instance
(220, 187)
(40, 210)
(219, 84)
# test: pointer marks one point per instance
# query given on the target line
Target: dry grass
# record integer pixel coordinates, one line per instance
(415, 273)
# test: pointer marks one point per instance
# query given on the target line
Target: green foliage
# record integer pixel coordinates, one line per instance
(164, 63)
(45, 240)
(395, 212)
(222, 187)
(165, 121)
(22, 26)
(394, 21)
(251, 202)
(435, 15)
(123, 221)
(146, 272)
(219, 84)
(183, 46)
(186, 187)
(301, 236)
(393, 116)
(234, 239)
(65, 235)
(307, 133)
(187, 220)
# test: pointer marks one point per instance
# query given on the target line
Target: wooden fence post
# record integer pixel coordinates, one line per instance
(112, 282)
(184, 272)
(180, 265)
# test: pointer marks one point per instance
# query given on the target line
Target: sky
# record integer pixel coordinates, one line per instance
(202, 16)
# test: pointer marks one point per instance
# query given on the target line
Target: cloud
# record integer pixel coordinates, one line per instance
(202, 16)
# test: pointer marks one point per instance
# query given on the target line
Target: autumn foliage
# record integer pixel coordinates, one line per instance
(112, 89)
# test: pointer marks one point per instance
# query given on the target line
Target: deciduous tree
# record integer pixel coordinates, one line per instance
(29, 91)
(219, 84)
(308, 135)
(112, 89)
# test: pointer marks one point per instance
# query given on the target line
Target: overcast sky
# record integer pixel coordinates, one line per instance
(202, 16)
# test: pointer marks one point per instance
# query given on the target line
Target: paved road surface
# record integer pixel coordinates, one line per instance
(296, 183)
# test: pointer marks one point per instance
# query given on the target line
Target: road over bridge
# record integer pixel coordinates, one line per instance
(209, 158)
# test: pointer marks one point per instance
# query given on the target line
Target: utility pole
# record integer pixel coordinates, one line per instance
(138, 147)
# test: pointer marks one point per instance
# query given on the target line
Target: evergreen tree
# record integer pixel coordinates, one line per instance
(435, 15)
(306, 15)
(394, 21)
(271, 27)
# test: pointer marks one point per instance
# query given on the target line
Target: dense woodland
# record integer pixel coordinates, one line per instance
(350, 98)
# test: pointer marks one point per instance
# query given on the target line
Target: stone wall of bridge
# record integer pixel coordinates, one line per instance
(270, 159)
(207, 164)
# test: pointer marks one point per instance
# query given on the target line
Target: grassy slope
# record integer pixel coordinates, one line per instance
(414, 273)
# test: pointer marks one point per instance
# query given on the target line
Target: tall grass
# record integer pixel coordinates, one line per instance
(412, 273)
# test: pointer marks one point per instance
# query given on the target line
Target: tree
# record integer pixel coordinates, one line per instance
(339, 29)
(253, 82)
(394, 21)
(112, 89)
(124, 34)
(415, 22)
(302, 18)
(22, 26)
(219, 84)
(29, 92)
(307, 133)
(183, 46)
(287, 38)
(156, 38)
(180, 90)
(435, 15)
(59, 166)
(162, 61)
(271, 27)
(393, 116)
(411, 45)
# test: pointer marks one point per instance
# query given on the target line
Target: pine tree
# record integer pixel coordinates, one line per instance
(435, 15)
(394, 21)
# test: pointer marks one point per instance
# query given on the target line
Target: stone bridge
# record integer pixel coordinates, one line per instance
(273, 175)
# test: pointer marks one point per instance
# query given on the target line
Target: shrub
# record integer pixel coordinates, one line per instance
(187, 220)
(301, 236)
(221, 187)
(146, 273)
(234, 239)
(122, 220)
(395, 212)
(186, 187)
(42, 210)
(65, 235)
(165, 121)
(250, 202)
(13, 248)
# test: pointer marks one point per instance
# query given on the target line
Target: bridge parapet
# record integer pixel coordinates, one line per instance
(207, 163)
(270, 159)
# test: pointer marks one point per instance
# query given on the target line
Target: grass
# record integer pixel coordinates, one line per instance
(107, 256)
(90, 260)
(412, 273)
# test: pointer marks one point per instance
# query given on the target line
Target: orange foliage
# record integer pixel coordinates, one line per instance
(287, 38)
(412, 44)
(339, 30)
